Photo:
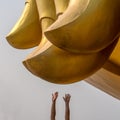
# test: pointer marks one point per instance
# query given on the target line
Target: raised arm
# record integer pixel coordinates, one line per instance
(67, 109)
(53, 108)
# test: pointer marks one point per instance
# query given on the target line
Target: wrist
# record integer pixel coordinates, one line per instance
(67, 103)
(53, 101)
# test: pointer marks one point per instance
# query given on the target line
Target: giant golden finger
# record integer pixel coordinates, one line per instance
(27, 31)
(61, 67)
(87, 26)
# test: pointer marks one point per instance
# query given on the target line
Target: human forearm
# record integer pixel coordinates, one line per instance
(67, 111)
(53, 110)
(53, 107)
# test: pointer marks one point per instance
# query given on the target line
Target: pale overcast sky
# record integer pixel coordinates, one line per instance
(24, 96)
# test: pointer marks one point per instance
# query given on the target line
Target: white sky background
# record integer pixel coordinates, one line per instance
(24, 96)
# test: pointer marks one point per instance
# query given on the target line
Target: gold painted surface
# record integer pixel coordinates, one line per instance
(113, 64)
(27, 31)
(61, 67)
(107, 82)
(87, 26)
(74, 40)
(46, 8)
(115, 56)
(61, 6)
